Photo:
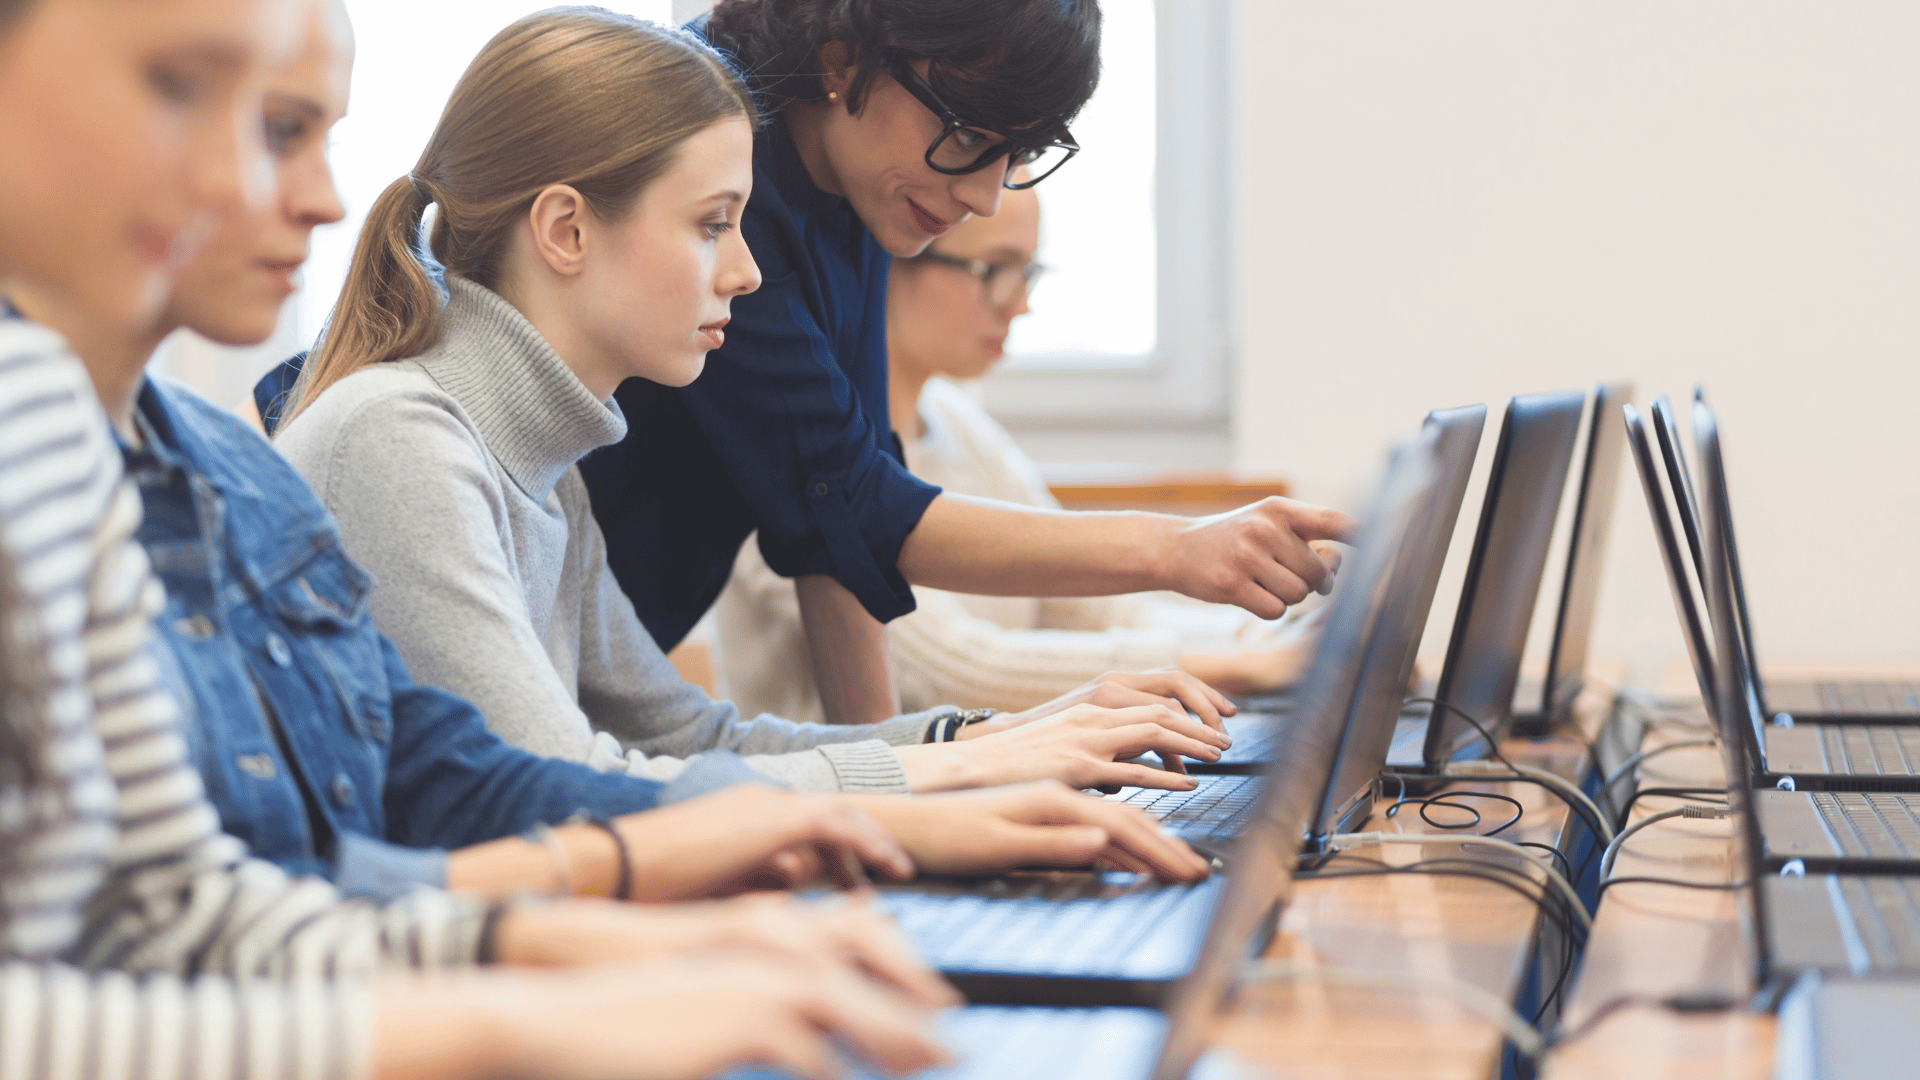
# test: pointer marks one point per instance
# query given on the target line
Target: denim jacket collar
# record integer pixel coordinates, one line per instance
(536, 416)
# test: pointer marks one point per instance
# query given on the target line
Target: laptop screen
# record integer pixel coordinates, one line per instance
(1738, 712)
(1586, 552)
(1529, 474)
(1390, 655)
(1680, 577)
(1263, 856)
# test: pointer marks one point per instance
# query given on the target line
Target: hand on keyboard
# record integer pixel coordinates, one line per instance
(1170, 687)
(1078, 747)
(1045, 824)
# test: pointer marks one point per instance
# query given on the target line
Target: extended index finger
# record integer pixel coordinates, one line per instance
(1312, 522)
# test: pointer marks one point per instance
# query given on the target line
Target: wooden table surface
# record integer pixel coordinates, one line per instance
(1449, 927)
(1660, 940)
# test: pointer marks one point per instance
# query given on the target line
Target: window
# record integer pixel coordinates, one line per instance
(1125, 357)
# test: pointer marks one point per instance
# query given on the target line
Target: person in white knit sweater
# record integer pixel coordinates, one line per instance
(948, 314)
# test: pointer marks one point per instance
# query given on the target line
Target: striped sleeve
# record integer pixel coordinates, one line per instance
(191, 960)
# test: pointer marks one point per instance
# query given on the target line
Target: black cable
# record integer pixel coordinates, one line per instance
(1553, 851)
(1494, 751)
(1696, 794)
(1698, 1003)
(1574, 805)
(1675, 882)
(1445, 798)
(1551, 904)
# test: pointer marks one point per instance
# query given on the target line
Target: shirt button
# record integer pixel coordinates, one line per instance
(278, 648)
(341, 791)
(820, 488)
(258, 766)
(198, 627)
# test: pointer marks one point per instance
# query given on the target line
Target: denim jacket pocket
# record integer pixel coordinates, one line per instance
(325, 605)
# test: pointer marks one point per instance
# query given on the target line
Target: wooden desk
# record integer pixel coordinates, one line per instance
(1659, 940)
(1449, 927)
(1192, 494)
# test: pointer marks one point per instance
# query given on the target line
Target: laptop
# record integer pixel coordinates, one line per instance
(1367, 623)
(1531, 460)
(1800, 921)
(1259, 733)
(1095, 938)
(1848, 1029)
(1788, 754)
(993, 1042)
(1586, 555)
(1885, 701)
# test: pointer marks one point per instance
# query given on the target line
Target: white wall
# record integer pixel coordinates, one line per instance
(1440, 203)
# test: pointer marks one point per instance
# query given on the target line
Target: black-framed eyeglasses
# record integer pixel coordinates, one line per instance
(1002, 283)
(964, 147)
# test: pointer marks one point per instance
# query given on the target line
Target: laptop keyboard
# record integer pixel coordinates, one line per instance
(1869, 698)
(1014, 926)
(1871, 749)
(1886, 915)
(1256, 740)
(995, 1042)
(1217, 809)
(1871, 825)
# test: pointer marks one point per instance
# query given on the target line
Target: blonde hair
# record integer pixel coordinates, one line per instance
(572, 95)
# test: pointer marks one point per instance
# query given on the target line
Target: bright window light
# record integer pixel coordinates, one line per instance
(410, 53)
(1098, 303)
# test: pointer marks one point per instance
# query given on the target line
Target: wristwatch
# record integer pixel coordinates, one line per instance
(946, 728)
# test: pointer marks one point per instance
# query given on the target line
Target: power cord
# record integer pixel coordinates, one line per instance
(1690, 1003)
(1576, 799)
(1627, 767)
(1523, 1035)
(1447, 799)
(1710, 813)
(1695, 794)
(1347, 841)
(1679, 883)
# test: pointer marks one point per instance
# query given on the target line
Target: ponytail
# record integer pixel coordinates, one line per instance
(389, 305)
(579, 96)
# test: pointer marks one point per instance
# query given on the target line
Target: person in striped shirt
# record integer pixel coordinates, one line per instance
(135, 938)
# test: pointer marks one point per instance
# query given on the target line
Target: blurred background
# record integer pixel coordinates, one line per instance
(1296, 226)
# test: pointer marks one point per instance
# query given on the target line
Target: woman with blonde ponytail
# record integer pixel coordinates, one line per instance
(586, 179)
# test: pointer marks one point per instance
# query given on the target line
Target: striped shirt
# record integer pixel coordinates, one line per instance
(140, 940)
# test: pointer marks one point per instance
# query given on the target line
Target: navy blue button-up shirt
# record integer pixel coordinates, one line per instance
(316, 747)
(785, 432)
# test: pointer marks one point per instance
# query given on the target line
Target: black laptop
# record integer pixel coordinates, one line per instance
(1800, 921)
(1787, 754)
(1881, 701)
(1370, 621)
(1092, 938)
(1531, 460)
(1586, 555)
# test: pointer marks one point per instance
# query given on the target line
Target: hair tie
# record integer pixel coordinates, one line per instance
(414, 182)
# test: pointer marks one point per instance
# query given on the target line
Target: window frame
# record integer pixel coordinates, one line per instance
(1184, 381)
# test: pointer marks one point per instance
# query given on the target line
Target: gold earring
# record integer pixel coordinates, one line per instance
(833, 95)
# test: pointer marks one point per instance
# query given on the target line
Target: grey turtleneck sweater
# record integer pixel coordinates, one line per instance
(452, 476)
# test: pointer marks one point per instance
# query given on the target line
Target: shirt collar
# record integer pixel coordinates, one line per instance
(536, 416)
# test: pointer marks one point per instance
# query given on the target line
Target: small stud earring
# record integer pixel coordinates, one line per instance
(833, 95)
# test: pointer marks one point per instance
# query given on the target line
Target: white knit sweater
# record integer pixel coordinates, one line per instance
(140, 941)
(999, 651)
(452, 477)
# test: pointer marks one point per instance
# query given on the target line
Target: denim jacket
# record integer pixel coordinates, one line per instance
(267, 624)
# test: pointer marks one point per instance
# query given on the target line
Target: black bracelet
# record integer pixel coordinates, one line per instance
(488, 951)
(623, 879)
